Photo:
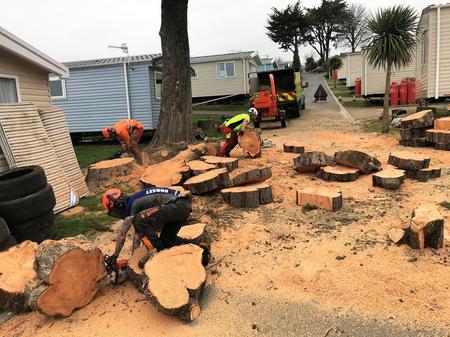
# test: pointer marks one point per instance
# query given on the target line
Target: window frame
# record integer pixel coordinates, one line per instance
(195, 77)
(160, 92)
(225, 68)
(16, 79)
(63, 87)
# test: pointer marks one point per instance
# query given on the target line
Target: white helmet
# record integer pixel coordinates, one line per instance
(253, 112)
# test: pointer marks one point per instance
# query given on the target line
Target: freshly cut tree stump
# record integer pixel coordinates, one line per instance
(105, 170)
(442, 123)
(293, 148)
(229, 163)
(425, 174)
(166, 173)
(208, 182)
(16, 271)
(245, 176)
(389, 179)
(417, 142)
(357, 159)
(442, 146)
(338, 173)
(438, 136)
(418, 120)
(312, 161)
(175, 281)
(408, 161)
(396, 235)
(249, 196)
(70, 273)
(250, 142)
(410, 134)
(198, 167)
(427, 228)
(196, 232)
(321, 198)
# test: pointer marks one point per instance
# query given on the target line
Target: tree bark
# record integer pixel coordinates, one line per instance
(175, 121)
(296, 61)
(386, 116)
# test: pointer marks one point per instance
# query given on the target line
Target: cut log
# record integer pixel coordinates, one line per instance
(442, 146)
(425, 174)
(396, 235)
(229, 163)
(359, 160)
(312, 161)
(166, 173)
(196, 232)
(249, 196)
(409, 161)
(102, 172)
(389, 179)
(245, 176)
(198, 167)
(409, 134)
(183, 192)
(338, 173)
(418, 120)
(442, 123)
(293, 148)
(416, 142)
(427, 228)
(176, 279)
(438, 136)
(208, 182)
(16, 271)
(70, 273)
(250, 142)
(321, 198)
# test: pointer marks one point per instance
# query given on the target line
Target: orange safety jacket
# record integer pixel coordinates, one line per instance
(125, 128)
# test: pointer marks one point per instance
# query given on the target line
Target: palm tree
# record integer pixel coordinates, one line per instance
(391, 44)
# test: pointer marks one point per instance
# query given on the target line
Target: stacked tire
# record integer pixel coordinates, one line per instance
(26, 204)
(6, 239)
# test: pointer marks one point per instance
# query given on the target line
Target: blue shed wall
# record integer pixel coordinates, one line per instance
(140, 94)
(156, 103)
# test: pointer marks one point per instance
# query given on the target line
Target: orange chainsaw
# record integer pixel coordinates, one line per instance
(116, 269)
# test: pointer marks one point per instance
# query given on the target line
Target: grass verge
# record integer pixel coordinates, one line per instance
(88, 154)
(358, 103)
(374, 125)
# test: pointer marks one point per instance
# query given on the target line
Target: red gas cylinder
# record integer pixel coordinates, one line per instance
(394, 94)
(403, 92)
(412, 91)
(358, 86)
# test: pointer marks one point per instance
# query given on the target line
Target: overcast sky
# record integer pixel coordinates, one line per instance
(70, 30)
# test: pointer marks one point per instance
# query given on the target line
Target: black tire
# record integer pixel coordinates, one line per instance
(22, 181)
(8, 243)
(4, 231)
(32, 206)
(46, 233)
(22, 230)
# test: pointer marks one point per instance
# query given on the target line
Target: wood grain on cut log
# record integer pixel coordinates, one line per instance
(293, 148)
(321, 198)
(100, 173)
(252, 175)
(425, 174)
(175, 281)
(396, 235)
(229, 163)
(442, 123)
(208, 182)
(196, 232)
(390, 179)
(250, 142)
(427, 228)
(70, 271)
(418, 120)
(408, 161)
(183, 192)
(249, 196)
(438, 136)
(442, 146)
(357, 159)
(198, 167)
(312, 161)
(409, 134)
(416, 142)
(338, 173)
(166, 173)
(16, 271)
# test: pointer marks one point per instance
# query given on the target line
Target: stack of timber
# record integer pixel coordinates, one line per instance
(413, 128)
(416, 166)
(320, 198)
(427, 228)
(439, 136)
(312, 161)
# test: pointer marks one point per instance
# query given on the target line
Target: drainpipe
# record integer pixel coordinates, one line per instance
(125, 75)
(438, 51)
(245, 77)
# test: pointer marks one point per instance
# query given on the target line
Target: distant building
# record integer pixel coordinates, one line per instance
(268, 63)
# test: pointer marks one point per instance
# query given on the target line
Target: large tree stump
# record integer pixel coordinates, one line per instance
(229, 163)
(359, 160)
(427, 228)
(321, 198)
(425, 174)
(418, 120)
(16, 271)
(100, 173)
(416, 142)
(208, 182)
(312, 161)
(442, 123)
(166, 173)
(338, 173)
(293, 148)
(408, 161)
(438, 136)
(410, 134)
(250, 142)
(390, 179)
(198, 167)
(245, 176)
(69, 274)
(249, 196)
(175, 279)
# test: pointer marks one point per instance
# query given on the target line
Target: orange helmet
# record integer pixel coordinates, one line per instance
(109, 199)
(106, 133)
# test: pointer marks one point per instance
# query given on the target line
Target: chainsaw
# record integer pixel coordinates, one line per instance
(116, 270)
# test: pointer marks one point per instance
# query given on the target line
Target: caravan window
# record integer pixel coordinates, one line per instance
(57, 87)
(9, 89)
(225, 69)
(158, 84)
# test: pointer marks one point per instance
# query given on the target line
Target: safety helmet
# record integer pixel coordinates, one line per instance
(106, 133)
(112, 198)
(253, 112)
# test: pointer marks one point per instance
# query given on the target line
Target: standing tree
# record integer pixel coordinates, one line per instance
(310, 64)
(175, 119)
(288, 27)
(391, 45)
(354, 30)
(333, 64)
(325, 26)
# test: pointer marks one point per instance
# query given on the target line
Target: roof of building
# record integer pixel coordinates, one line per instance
(225, 57)
(112, 60)
(19, 47)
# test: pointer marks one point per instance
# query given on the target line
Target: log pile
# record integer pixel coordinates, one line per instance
(320, 198)
(439, 136)
(359, 160)
(101, 173)
(250, 142)
(208, 181)
(390, 179)
(427, 228)
(293, 148)
(424, 174)
(416, 166)
(252, 175)
(338, 173)
(198, 167)
(312, 161)
(413, 128)
(248, 196)
(229, 163)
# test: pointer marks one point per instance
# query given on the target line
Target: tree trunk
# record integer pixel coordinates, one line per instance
(296, 61)
(386, 116)
(175, 121)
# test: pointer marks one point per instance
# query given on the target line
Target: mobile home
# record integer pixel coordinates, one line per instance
(352, 66)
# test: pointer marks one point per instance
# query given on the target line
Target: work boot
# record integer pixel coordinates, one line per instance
(206, 254)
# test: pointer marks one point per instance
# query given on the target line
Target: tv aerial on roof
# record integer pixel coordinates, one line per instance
(123, 46)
